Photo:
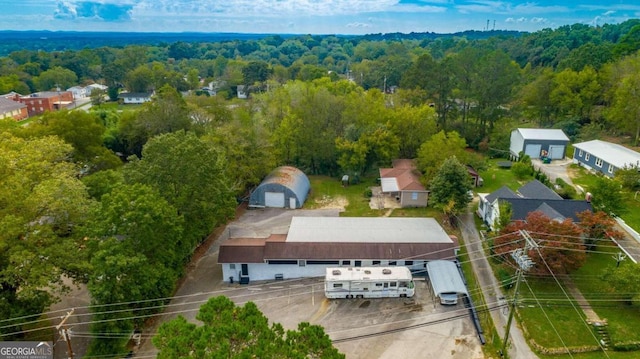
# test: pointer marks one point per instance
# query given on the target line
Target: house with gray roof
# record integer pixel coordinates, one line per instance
(538, 142)
(314, 243)
(12, 109)
(532, 197)
(604, 157)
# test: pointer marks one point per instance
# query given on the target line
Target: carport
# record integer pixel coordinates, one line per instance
(446, 281)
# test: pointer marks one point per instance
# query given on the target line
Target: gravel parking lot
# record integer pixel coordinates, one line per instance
(361, 328)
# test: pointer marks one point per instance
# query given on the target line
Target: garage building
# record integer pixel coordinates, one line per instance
(285, 186)
(315, 243)
(538, 142)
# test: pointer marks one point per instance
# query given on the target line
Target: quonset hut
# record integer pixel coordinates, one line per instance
(285, 186)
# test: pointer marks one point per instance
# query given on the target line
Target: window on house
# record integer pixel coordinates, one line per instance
(375, 263)
(586, 157)
(337, 285)
(580, 153)
(346, 263)
(599, 162)
(392, 263)
(408, 263)
(232, 266)
(302, 263)
(414, 196)
(610, 169)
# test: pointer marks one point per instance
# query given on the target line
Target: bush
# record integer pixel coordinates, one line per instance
(626, 347)
(368, 193)
(521, 170)
(566, 191)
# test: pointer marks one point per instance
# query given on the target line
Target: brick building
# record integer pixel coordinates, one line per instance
(39, 102)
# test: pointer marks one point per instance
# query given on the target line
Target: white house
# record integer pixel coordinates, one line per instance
(135, 97)
(605, 157)
(315, 243)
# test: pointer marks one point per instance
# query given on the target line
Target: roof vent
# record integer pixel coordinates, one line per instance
(386, 271)
(336, 272)
(367, 271)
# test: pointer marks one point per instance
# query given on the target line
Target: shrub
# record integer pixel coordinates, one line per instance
(521, 170)
(368, 193)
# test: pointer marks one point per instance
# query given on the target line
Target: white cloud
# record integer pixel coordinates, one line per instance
(358, 25)
(538, 20)
(609, 13)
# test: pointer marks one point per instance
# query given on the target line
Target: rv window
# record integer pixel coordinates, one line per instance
(346, 263)
(408, 263)
(337, 285)
(386, 285)
(393, 284)
(232, 266)
(375, 263)
(378, 284)
(403, 284)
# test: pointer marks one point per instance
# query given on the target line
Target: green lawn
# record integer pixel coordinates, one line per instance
(495, 177)
(326, 191)
(586, 180)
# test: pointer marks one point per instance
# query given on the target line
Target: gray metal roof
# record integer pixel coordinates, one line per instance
(7, 105)
(283, 177)
(366, 230)
(445, 277)
(612, 153)
(543, 134)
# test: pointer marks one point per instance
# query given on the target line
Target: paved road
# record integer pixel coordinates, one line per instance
(491, 290)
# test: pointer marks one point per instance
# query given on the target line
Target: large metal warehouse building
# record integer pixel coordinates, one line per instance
(285, 186)
(315, 243)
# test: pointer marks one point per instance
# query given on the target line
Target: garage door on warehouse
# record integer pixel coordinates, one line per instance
(556, 152)
(274, 199)
(533, 151)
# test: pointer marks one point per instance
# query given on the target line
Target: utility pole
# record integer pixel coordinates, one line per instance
(524, 263)
(65, 332)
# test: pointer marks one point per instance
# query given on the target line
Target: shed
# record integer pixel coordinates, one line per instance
(538, 142)
(285, 186)
(446, 281)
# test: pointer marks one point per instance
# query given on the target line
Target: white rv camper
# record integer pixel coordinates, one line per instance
(368, 282)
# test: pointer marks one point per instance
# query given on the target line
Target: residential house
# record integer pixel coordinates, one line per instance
(533, 196)
(402, 181)
(538, 142)
(79, 92)
(476, 180)
(605, 157)
(135, 97)
(13, 109)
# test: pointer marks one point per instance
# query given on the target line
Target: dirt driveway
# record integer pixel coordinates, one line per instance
(361, 328)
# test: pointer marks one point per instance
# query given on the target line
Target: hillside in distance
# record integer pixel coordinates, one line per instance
(48, 41)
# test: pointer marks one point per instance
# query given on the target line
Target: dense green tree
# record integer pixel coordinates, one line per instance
(167, 112)
(192, 176)
(83, 131)
(436, 150)
(607, 196)
(42, 205)
(56, 78)
(255, 71)
(450, 188)
(238, 332)
(625, 280)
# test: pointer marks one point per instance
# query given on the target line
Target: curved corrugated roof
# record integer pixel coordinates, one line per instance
(288, 177)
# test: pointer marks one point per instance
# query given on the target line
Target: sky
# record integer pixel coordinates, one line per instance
(309, 16)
